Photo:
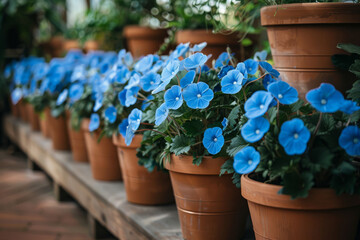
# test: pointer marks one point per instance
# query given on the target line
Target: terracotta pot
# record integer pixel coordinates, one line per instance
(44, 119)
(91, 45)
(209, 206)
(23, 111)
(58, 133)
(142, 187)
(216, 43)
(70, 44)
(303, 37)
(322, 215)
(143, 40)
(102, 155)
(77, 142)
(15, 110)
(33, 117)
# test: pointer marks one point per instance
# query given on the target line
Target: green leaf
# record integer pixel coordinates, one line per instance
(342, 61)
(355, 68)
(233, 116)
(297, 185)
(197, 159)
(354, 92)
(180, 144)
(319, 158)
(344, 178)
(246, 42)
(193, 127)
(227, 167)
(237, 143)
(349, 47)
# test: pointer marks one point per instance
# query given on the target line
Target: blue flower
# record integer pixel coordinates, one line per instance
(246, 160)
(135, 119)
(269, 69)
(198, 95)
(187, 79)
(224, 70)
(128, 59)
(325, 98)
(213, 140)
(122, 96)
(16, 95)
(161, 87)
(225, 123)
(180, 50)
(129, 135)
(194, 61)
(161, 114)
(260, 56)
(62, 97)
(134, 81)
(222, 60)
(258, 104)
(251, 66)
(241, 67)
(76, 90)
(110, 114)
(146, 102)
(98, 102)
(294, 136)
(144, 64)
(255, 129)
(350, 140)
(232, 82)
(150, 81)
(121, 75)
(123, 126)
(157, 66)
(267, 80)
(94, 122)
(283, 92)
(173, 97)
(170, 71)
(131, 96)
(349, 107)
(198, 47)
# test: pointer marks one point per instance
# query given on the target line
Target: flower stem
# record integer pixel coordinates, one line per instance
(141, 95)
(199, 75)
(178, 79)
(316, 130)
(278, 113)
(231, 60)
(245, 98)
(142, 130)
(150, 124)
(255, 79)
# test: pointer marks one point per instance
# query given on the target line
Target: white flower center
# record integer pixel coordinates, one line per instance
(356, 140)
(250, 69)
(234, 82)
(151, 82)
(323, 101)
(138, 120)
(177, 98)
(127, 126)
(250, 162)
(173, 73)
(199, 95)
(296, 136)
(280, 96)
(257, 131)
(215, 139)
(262, 106)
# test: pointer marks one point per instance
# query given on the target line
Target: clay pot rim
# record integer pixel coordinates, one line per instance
(140, 32)
(119, 141)
(183, 164)
(85, 127)
(320, 13)
(318, 199)
(201, 35)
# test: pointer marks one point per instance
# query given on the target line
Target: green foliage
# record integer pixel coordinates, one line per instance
(181, 145)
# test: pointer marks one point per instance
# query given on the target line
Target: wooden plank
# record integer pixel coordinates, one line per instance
(97, 230)
(105, 201)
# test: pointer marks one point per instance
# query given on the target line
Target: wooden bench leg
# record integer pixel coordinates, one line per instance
(61, 194)
(97, 230)
(33, 165)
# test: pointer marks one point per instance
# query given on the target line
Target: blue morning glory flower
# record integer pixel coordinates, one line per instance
(255, 129)
(251, 66)
(260, 56)
(180, 50)
(129, 135)
(150, 81)
(349, 107)
(131, 96)
(16, 95)
(294, 136)
(173, 97)
(135, 119)
(350, 140)
(195, 60)
(123, 126)
(258, 104)
(225, 123)
(157, 66)
(110, 114)
(122, 96)
(98, 102)
(246, 160)
(75, 92)
(62, 97)
(267, 80)
(161, 114)
(232, 82)
(283, 92)
(241, 67)
(187, 79)
(325, 98)
(94, 122)
(161, 87)
(144, 64)
(128, 59)
(198, 47)
(170, 71)
(134, 81)
(146, 102)
(222, 60)
(213, 140)
(121, 56)
(269, 69)
(198, 95)
(224, 70)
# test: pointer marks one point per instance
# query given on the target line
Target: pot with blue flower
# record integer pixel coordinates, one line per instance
(298, 163)
(198, 111)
